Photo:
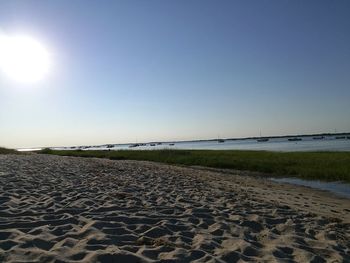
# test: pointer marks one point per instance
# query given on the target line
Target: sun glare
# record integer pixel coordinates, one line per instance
(23, 58)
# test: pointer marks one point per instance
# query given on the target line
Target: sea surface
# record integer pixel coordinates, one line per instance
(307, 143)
(338, 188)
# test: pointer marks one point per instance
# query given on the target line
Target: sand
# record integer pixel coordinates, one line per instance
(66, 209)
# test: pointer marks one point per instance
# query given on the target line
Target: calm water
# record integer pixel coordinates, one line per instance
(329, 143)
(339, 188)
(307, 144)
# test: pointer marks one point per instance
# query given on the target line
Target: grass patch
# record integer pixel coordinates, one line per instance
(7, 151)
(328, 166)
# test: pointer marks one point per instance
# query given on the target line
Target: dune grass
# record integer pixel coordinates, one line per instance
(7, 151)
(328, 166)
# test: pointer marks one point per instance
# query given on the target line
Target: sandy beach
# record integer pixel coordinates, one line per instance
(66, 209)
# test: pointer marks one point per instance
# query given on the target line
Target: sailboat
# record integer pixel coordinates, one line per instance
(220, 140)
(262, 139)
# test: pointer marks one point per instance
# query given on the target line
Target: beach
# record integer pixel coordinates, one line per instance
(72, 209)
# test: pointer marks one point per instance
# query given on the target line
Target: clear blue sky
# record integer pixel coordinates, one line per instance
(175, 70)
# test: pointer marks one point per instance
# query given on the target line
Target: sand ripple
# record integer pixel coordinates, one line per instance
(60, 209)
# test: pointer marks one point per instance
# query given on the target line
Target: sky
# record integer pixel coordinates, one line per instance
(139, 71)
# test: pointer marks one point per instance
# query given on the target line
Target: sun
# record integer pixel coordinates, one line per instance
(23, 59)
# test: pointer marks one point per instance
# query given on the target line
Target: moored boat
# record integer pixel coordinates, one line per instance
(340, 137)
(294, 139)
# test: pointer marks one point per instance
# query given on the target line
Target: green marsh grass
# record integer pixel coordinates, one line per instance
(328, 166)
(7, 151)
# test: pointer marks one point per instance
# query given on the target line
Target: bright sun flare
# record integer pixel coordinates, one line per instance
(23, 58)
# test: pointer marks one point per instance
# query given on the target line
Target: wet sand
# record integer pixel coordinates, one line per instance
(65, 209)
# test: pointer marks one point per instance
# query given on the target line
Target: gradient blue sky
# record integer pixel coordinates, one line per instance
(175, 70)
